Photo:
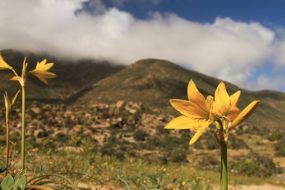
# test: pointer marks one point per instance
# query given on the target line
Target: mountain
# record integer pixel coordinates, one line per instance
(149, 81)
(153, 82)
(72, 76)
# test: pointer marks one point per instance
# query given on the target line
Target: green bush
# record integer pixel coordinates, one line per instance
(254, 165)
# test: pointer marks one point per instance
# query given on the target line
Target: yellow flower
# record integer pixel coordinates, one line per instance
(42, 71)
(199, 113)
(4, 64)
(196, 112)
(225, 107)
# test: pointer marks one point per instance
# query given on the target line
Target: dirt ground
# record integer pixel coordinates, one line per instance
(241, 187)
(254, 187)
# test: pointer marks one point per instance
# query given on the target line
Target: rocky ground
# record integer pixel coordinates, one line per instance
(59, 121)
(127, 128)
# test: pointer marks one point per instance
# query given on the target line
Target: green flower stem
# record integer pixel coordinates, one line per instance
(7, 142)
(23, 128)
(224, 167)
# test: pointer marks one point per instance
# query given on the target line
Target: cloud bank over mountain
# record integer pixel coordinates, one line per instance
(229, 49)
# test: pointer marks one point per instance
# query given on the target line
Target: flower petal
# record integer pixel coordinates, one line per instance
(189, 109)
(16, 78)
(195, 96)
(245, 113)
(233, 113)
(4, 64)
(44, 66)
(41, 71)
(222, 100)
(234, 98)
(43, 75)
(203, 125)
(183, 122)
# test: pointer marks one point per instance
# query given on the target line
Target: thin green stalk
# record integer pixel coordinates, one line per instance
(7, 142)
(224, 166)
(23, 128)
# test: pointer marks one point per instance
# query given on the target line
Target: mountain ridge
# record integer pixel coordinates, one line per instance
(149, 81)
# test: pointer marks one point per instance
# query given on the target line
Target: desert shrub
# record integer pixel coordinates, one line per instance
(254, 165)
(172, 142)
(198, 145)
(113, 147)
(275, 135)
(153, 141)
(208, 162)
(161, 130)
(178, 155)
(140, 135)
(237, 143)
(208, 142)
(108, 150)
(211, 142)
(251, 129)
(168, 142)
(279, 148)
(173, 148)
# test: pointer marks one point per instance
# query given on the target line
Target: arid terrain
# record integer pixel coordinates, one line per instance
(117, 114)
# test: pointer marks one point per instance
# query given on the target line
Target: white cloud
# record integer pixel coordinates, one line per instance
(225, 48)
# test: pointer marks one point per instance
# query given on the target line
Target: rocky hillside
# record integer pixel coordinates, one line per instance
(153, 82)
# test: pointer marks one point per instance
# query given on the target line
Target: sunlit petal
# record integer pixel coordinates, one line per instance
(183, 122)
(245, 113)
(41, 71)
(222, 99)
(43, 66)
(188, 109)
(195, 96)
(203, 125)
(234, 98)
(43, 75)
(4, 64)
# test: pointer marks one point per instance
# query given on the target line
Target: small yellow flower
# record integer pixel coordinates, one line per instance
(196, 112)
(42, 71)
(8, 102)
(4, 64)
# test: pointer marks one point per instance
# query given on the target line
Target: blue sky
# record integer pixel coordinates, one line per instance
(270, 14)
(241, 41)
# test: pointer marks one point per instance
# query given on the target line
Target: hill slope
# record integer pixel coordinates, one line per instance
(153, 82)
(71, 75)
